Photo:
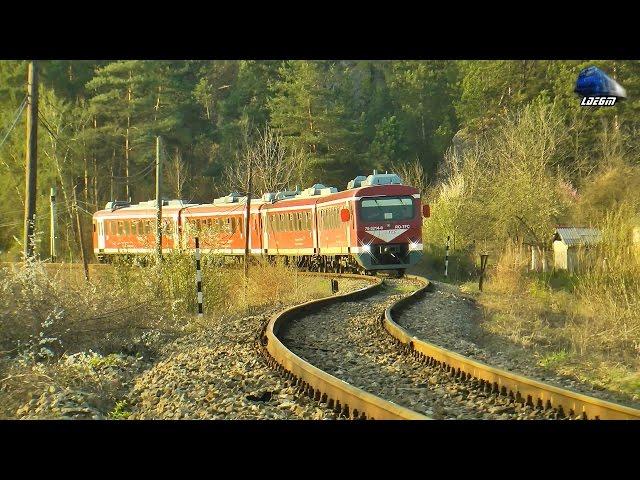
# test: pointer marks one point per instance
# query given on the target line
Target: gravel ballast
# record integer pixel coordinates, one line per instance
(347, 341)
(218, 374)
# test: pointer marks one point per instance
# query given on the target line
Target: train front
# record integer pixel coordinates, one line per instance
(388, 224)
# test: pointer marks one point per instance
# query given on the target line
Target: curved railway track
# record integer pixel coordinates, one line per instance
(346, 351)
(415, 380)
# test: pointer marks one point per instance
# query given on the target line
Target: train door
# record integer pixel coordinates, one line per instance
(101, 234)
(265, 233)
(347, 225)
(314, 227)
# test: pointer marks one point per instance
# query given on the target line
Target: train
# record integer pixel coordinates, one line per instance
(373, 225)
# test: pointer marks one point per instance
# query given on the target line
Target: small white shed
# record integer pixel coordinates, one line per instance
(572, 245)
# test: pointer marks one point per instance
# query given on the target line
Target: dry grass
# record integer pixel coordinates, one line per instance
(586, 326)
(61, 332)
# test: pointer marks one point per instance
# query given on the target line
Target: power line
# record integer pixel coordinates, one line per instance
(15, 120)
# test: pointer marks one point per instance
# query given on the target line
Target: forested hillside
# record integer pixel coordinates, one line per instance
(99, 120)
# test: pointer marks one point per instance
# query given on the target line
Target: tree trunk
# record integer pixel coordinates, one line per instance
(313, 145)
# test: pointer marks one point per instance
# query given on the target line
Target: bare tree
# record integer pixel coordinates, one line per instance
(412, 173)
(275, 166)
(177, 174)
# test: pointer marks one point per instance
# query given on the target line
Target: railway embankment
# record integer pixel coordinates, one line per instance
(449, 318)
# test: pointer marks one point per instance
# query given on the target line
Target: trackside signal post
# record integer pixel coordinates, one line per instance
(484, 258)
(199, 279)
(246, 222)
(446, 259)
(158, 198)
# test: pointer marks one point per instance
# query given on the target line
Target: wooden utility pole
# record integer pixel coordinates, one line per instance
(79, 226)
(54, 226)
(247, 232)
(158, 198)
(31, 163)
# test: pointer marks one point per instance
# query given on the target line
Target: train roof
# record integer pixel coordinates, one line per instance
(373, 185)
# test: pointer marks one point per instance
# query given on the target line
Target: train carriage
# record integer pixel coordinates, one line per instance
(376, 224)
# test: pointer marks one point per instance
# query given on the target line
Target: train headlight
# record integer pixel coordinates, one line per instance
(415, 246)
(366, 248)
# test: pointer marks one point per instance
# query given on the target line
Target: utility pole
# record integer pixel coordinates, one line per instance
(247, 232)
(31, 161)
(79, 226)
(158, 198)
(54, 226)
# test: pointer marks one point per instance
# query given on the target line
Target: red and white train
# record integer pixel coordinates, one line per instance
(376, 224)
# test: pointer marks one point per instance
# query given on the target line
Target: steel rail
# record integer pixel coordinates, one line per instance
(339, 395)
(519, 388)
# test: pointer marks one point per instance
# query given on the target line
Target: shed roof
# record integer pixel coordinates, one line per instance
(577, 235)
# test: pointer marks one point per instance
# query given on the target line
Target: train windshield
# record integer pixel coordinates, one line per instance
(386, 208)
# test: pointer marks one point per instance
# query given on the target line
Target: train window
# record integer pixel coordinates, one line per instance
(94, 226)
(134, 227)
(386, 208)
(120, 227)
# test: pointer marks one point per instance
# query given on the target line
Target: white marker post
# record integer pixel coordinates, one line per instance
(446, 259)
(199, 278)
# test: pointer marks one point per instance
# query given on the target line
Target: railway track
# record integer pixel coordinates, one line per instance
(347, 352)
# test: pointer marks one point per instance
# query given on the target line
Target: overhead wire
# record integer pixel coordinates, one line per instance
(15, 120)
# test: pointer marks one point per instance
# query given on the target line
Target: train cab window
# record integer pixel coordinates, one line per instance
(94, 226)
(386, 208)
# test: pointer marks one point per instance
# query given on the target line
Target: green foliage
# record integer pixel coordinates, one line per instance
(554, 359)
(120, 411)
(345, 117)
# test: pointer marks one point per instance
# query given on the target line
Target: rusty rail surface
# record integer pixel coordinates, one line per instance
(342, 397)
(519, 388)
